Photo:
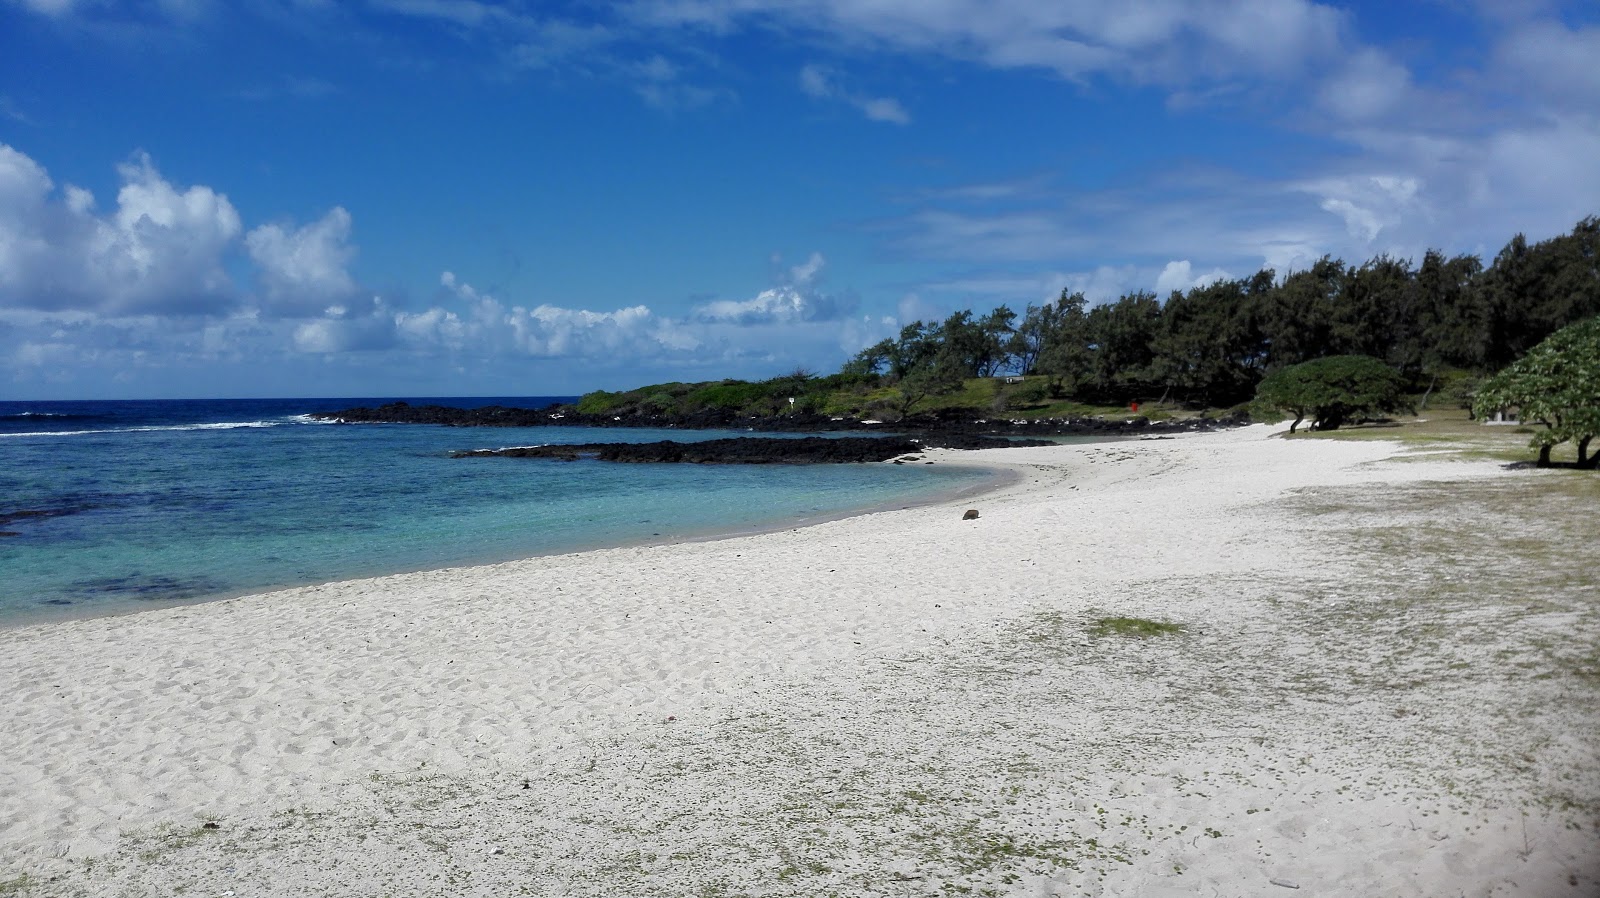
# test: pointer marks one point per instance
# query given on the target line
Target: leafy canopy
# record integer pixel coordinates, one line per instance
(1332, 390)
(1556, 384)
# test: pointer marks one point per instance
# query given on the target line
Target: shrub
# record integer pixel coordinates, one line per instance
(599, 402)
(1332, 390)
(1556, 384)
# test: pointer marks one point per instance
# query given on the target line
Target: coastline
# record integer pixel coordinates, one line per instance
(997, 478)
(854, 679)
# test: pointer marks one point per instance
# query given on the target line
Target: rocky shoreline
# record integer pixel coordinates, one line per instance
(945, 425)
(753, 450)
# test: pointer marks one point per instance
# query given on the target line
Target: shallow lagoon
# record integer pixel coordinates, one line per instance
(154, 503)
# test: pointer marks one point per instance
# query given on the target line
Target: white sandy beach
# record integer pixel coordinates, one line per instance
(1361, 702)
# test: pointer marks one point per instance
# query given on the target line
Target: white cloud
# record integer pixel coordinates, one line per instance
(161, 249)
(1107, 282)
(468, 13)
(328, 336)
(1553, 61)
(304, 269)
(885, 109)
(1155, 42)
(48, 7)
(1179, 275)
(546, 331)
(544, 44)
(856, 334)
(821, 83)
(1368, 86)
(809, 270)
(797, 299)
(87, 294)
(1011, 235)
(173, 10)
(776, 304)
(660, 83)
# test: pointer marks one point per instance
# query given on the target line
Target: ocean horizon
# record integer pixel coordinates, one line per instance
(110, 506)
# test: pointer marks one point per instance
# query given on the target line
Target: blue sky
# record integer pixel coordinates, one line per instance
(451, 197)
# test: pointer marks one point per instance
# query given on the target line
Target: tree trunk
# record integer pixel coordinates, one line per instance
(1297, 419)
(1585, 460)
(1544, 457)
(1423, 405)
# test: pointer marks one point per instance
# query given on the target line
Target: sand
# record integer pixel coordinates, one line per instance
(1367, 693)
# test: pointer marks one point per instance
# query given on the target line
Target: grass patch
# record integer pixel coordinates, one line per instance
(1450, 432)
(1137, 627)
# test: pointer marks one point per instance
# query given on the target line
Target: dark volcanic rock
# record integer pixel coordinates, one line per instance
(950, 440)
(757, 450)
(941, 425)
(406, 413)
(739, 450)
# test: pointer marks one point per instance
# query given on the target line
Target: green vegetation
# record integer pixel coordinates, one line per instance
(1438, 325)
(1430, 330)
(1556, 385)
(1137, 627)
(1333, 390)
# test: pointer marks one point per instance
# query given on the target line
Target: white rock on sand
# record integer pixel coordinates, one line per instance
(903, 703)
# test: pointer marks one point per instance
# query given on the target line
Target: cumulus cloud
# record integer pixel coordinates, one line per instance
(799, 298)
(358, 327)
(1179, 276)
(304, 269)
(544, 331)
(821, 83)
(161, 250)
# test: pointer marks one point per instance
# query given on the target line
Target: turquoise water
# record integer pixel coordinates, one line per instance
(157, 503)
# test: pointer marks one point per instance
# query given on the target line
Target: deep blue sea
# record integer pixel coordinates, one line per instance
(118, 505)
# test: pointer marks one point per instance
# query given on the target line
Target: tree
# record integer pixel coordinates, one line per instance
(1557, 384)
(1297, 317)
(1060, 338)
(1532, 291)
(1332, 390)
(1210, 346)
(1451, 313)
(997, 327)
(918, 343)
(941, 376)
(1377, 313)
(1032, 335)
(868, 362)
(1123, 339)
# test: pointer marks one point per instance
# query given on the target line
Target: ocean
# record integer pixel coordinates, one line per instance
(112, 506)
